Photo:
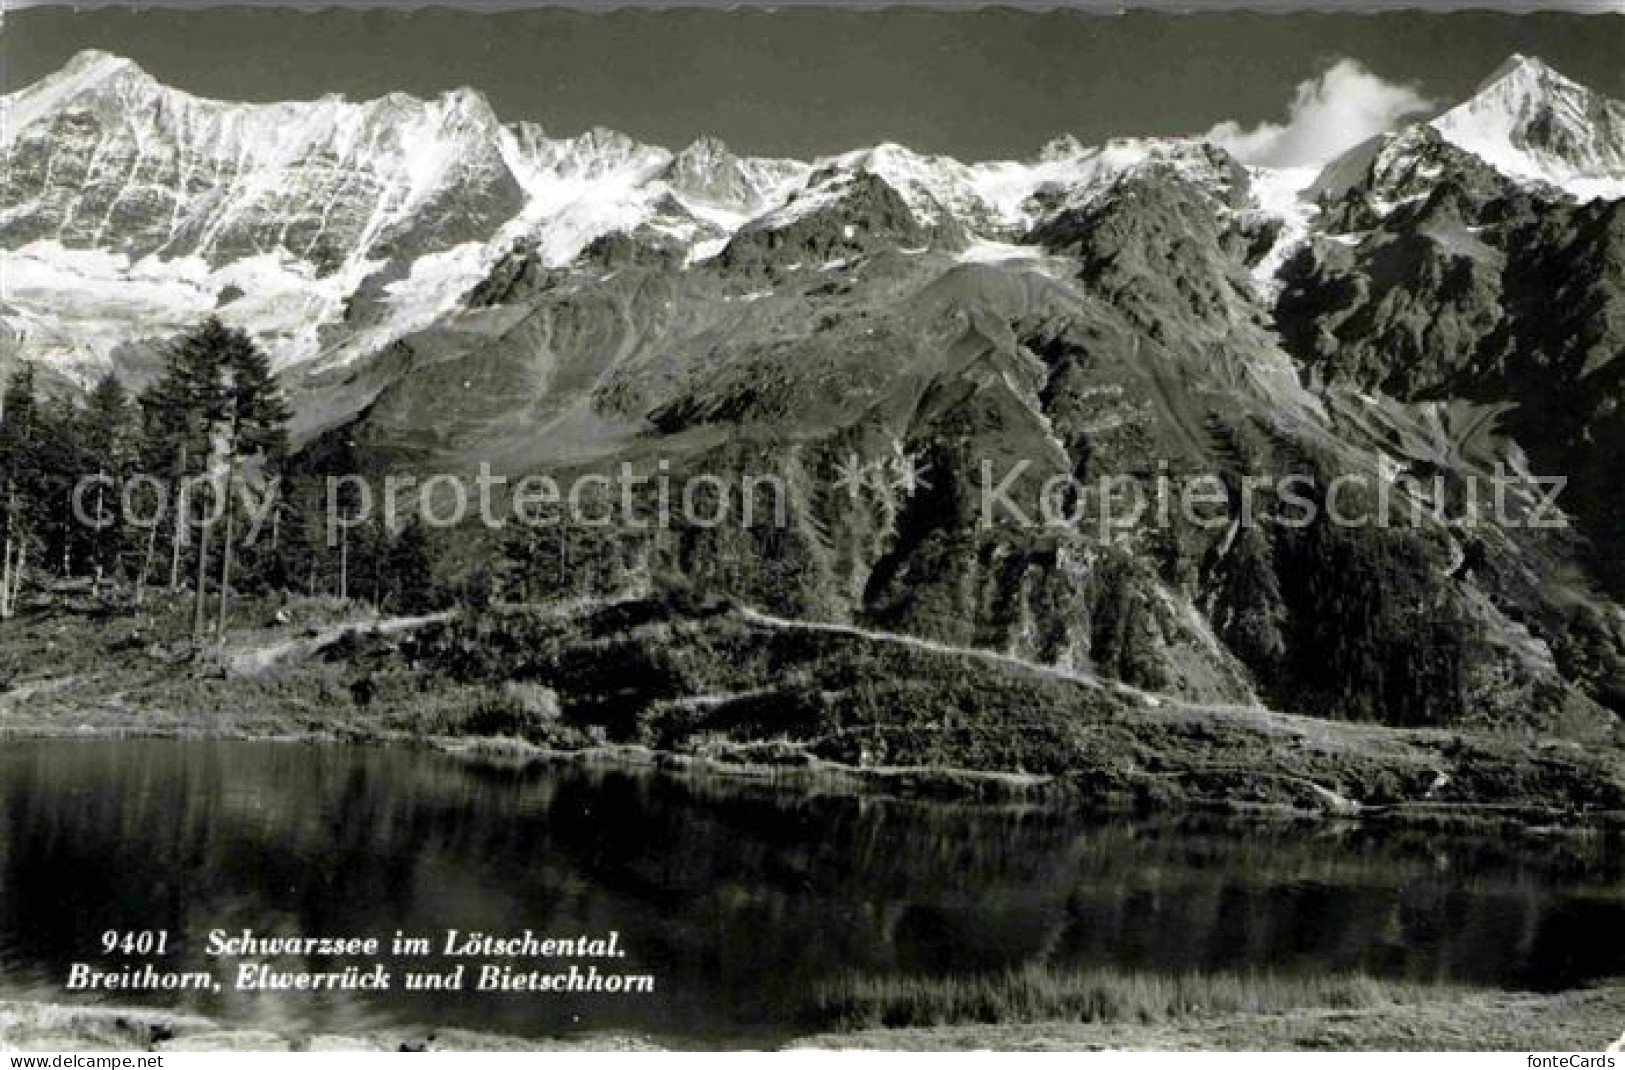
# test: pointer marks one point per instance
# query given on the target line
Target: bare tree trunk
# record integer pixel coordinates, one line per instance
(177, 536)
(5, 583)
(199, 610)
(16, 556)
(17, 579)
(344, 566)
(99, 544)
(11, 537)
(225, 551)
(67, 536)
(146, 563)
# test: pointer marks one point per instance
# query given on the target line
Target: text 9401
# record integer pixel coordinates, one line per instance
(133, 942)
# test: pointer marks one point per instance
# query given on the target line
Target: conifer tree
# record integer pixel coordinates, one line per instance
(216, 408)
(179, 411)
(410, 568)
(107, 436)
(255, 428)
(18, 471)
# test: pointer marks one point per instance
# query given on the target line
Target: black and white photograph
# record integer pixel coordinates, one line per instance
(837, 527)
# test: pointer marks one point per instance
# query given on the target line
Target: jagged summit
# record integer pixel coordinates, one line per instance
(1527, 125)
(90, 72)
(96, 62)
(708, 172)
(1393, 169)
(1064, 147)
(93, 64)
(1520, 66)
(1531, 122)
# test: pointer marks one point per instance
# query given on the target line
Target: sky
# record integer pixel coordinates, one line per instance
(976, 84)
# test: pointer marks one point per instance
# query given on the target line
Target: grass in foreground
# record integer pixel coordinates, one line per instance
(1044, 994)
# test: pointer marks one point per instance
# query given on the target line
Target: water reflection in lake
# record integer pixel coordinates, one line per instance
(740, 900)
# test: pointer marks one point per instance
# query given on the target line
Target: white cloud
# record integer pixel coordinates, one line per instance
(1344, 106)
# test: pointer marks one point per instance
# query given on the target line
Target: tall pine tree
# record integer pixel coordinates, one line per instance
(254, 435)
(107, 436)
(216, 412)
(179, 412)
(19, 470)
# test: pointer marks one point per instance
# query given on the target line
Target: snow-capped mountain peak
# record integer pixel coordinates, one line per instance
(91, 67)
(1065, 147)
(130, 201)
(708, 173)
(1519, 68)
(88, 74)
(351, 221)
(103, 156)
(1531, 122)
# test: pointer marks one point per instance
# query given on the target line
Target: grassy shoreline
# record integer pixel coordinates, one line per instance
(802, 772)
(1584, 1020)
(113, 674)
(1132, 1012)
(1100, 996)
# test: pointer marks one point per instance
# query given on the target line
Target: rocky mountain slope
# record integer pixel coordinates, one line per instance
(1433, 309)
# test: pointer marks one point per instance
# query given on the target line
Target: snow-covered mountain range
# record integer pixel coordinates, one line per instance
(442, 291)
(330, 228)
